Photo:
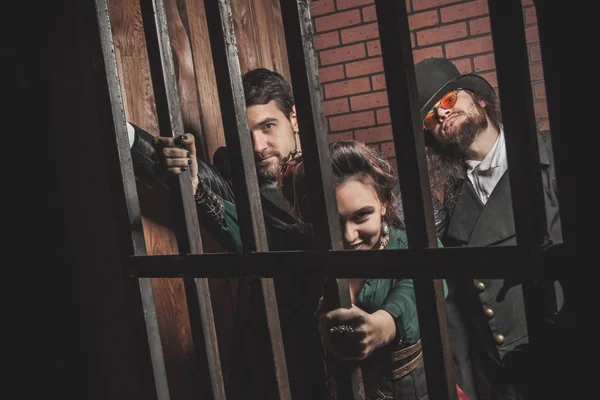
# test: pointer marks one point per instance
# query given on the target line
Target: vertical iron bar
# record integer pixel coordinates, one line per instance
(133, 241)
(516, 101)
(514, 87)
(297, 26)
(170, 122)
(241, 159)
(553, 57)
(563, 97)
(409, 144)
(235, 123)
(168, 109)
(205, 332)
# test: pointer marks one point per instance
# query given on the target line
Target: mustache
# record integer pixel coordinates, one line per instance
(451, 116)
(455, 114)
(266, 154)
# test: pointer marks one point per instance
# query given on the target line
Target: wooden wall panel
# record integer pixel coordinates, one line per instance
(178, 25)
(132, 60)
(259, 36)
(205, 82)
(157, 218)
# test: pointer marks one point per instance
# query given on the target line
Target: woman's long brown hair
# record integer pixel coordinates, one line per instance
(351, 160)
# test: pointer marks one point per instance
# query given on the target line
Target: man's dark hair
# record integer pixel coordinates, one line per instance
(492, 107)
(261, 86)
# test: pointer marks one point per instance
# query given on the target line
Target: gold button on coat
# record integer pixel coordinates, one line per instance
(488, 312)
(499, 338)
(480, 286)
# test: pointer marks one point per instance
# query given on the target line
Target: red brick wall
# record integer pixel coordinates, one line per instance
(346, 40)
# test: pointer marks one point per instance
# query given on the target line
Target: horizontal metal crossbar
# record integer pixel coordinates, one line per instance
(433, 263)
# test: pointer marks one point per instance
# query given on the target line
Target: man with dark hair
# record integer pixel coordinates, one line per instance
(468, 167)
(274, 128)
(269, 99)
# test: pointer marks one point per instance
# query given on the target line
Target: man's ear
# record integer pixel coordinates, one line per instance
(293, 119)
(482, 103)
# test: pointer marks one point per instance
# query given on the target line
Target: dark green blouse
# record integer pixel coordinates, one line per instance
(396, 296)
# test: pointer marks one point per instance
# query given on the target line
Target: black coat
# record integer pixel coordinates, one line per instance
(486, 317)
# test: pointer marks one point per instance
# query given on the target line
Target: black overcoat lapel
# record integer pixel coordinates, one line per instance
(476, 225)
(495, 224)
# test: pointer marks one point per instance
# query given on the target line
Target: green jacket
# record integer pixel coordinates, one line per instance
(396, 296)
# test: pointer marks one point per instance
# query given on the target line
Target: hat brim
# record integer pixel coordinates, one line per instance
(472, 82)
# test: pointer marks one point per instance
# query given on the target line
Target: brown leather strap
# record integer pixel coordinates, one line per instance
(408, 367)
(406, 352)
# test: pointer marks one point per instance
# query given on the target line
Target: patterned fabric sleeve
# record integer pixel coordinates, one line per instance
(226, 230)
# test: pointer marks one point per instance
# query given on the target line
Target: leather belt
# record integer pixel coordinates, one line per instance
(408, 367)
(406, 352)
(403, 354)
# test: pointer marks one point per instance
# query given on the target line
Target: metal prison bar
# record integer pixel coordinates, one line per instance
(169, 117)
(421, 261)
(309, 108)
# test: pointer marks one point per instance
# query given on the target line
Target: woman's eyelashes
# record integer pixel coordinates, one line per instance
(363, 214)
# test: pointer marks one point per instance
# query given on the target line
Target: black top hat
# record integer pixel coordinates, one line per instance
(437, 76)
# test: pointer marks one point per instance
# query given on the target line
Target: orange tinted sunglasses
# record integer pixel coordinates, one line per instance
(447, 101)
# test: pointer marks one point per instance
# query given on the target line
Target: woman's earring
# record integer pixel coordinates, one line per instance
(385, 235)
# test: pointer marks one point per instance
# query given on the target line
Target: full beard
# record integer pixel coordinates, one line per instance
(447, 164)
(461, 136)
(268, 172)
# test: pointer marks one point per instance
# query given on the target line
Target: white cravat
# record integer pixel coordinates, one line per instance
(485, 174)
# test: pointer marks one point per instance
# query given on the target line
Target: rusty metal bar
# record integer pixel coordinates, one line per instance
(552, 41)
(409, 144)
(168, 110)
(514, 89)
(170, 122)
(561, 97)
(516, 101)
(204, 332)
(502, 262)
(140, 290)
(297, 26)
(241, 160)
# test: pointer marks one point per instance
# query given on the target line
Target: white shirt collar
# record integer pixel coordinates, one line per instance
(485, 174)
(495, 158)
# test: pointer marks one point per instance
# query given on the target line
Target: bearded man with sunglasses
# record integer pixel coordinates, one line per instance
(468, 169)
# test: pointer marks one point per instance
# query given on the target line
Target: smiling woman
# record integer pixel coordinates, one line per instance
(365, 191)
(381, 329)
(361, 215)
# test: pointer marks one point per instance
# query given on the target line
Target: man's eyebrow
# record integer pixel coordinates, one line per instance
(264, 122)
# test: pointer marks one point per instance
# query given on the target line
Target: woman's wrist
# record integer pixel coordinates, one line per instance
(386, 326)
